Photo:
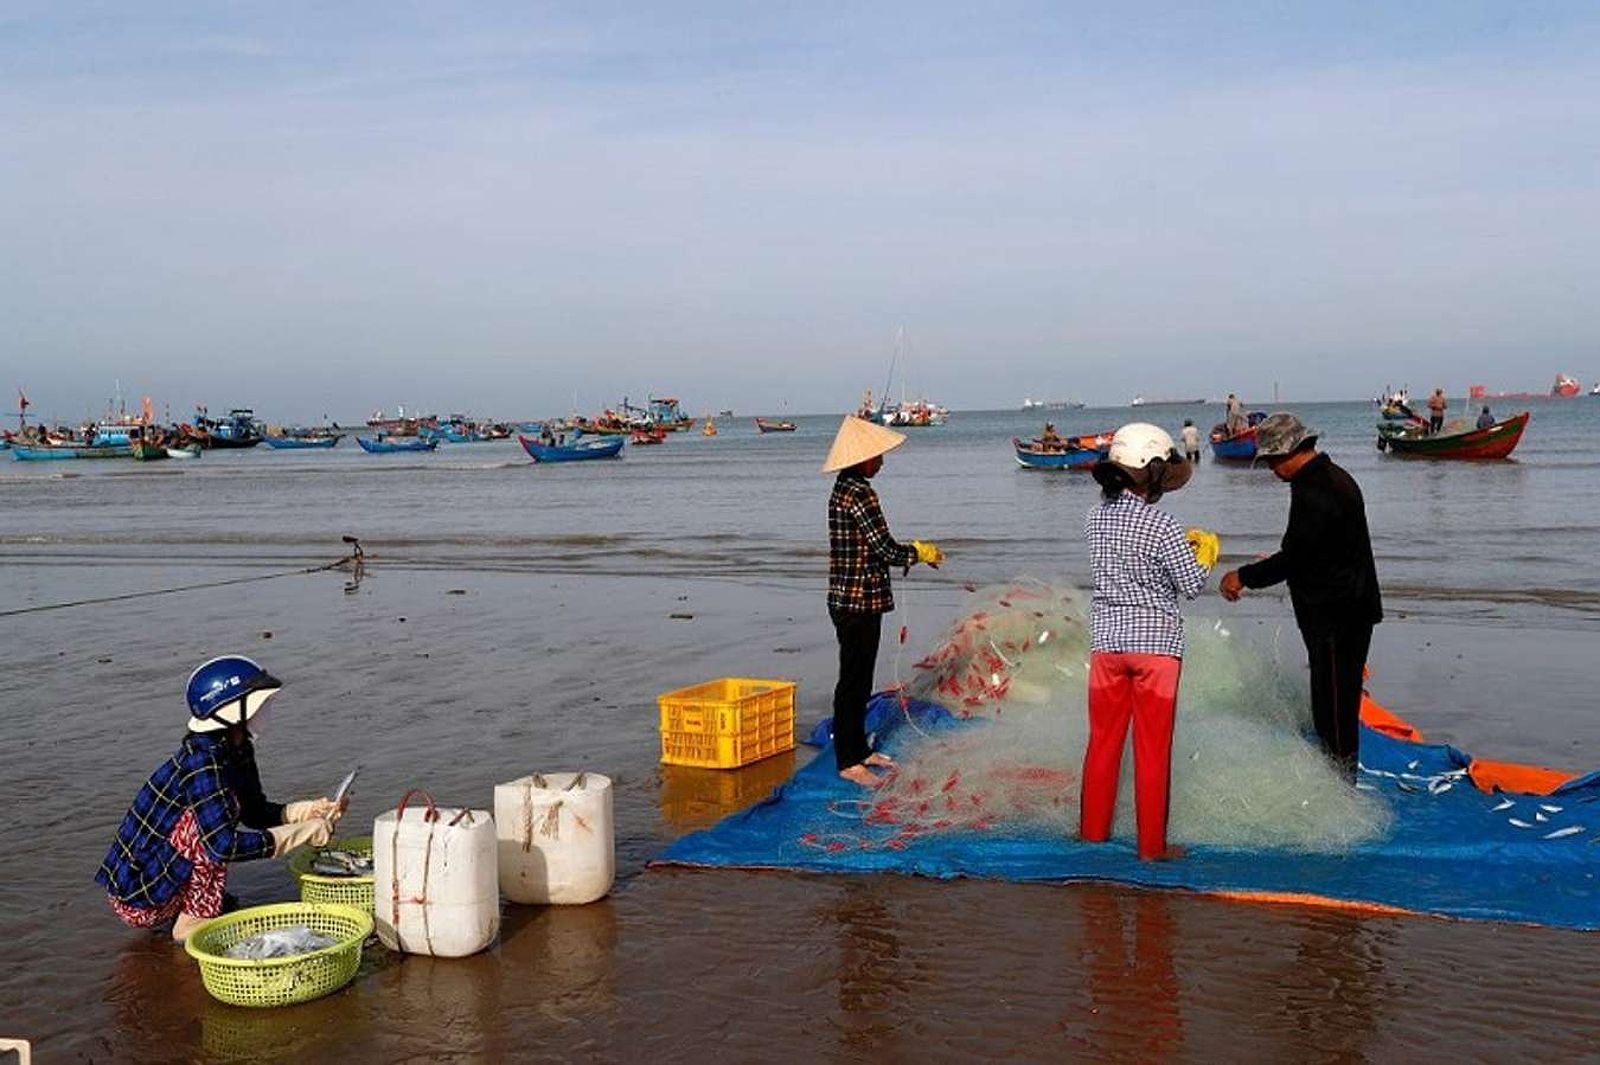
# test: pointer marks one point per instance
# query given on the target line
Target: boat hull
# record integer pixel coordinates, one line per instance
(23, 453)
(384, 447)
(1235, 449)
(1076, 458)
(774, 427)
(607, 449)
(1495, 442)
(296, 443)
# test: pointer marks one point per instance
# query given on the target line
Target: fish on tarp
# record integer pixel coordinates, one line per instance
(279, 943)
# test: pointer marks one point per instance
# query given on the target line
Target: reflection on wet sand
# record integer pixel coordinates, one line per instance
(872, 982)
(692, 799)
(1125, 956)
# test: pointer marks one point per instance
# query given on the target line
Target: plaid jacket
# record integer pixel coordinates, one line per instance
(221, 784)
(860, 549)
(1141, 565)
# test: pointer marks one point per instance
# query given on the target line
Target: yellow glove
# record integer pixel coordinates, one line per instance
(928, 553)
(306, 809)
(1207, 548)
(286, 838)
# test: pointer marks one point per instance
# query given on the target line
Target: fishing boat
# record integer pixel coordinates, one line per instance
(298, 443)
(1080, 453)
(237, 430)
(645, 437)
(585, 449)
(389, 447)
(149, 450)
(1566, 386)
(1239, 446)
(768, 425)
(1459, 440)
(187, 451)
(52, 452)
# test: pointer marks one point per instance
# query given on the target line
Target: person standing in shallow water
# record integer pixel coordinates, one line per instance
(1326, 558)
(860, 552)
(1141, 562)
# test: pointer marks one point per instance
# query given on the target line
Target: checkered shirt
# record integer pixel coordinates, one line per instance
(1141, 564)
(221, 784)
(860, 549)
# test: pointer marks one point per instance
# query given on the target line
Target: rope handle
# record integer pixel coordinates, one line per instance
(432, 813)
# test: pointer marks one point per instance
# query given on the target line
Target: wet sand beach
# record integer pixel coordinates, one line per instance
(508, 628)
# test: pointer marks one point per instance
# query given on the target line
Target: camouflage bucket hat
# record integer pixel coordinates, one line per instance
(1280, 433)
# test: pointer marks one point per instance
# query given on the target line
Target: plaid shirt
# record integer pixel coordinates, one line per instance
(860, 549)
(1141, 564)
(221, 785)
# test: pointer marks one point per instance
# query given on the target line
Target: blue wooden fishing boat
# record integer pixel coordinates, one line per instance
(606, 447)
(298, 443)
(388, 447)
(1033, 456)
(52, 452)
(1239, 446)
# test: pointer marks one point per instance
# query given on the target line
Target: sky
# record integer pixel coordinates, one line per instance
(512, 208)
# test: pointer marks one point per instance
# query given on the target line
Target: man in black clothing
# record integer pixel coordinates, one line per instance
(1333, 583)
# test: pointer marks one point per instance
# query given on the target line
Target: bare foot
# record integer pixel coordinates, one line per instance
(860, 774)
(877, 758)
(1171, 854)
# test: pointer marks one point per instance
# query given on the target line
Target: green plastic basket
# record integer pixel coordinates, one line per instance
(279, 981)
(340, 890)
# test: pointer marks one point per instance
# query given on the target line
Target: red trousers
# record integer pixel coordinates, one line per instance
(200, 897)
(1144, 689)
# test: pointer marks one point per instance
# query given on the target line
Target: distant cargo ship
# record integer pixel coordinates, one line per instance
(1566, 387)
(1053, 404)
(1140, 401)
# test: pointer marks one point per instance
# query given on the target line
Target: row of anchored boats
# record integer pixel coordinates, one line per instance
(1411, 438)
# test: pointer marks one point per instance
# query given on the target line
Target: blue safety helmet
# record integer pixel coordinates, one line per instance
(228, 690)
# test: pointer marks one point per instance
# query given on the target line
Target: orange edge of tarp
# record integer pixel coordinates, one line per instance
(1487, 776)
(1298, 898)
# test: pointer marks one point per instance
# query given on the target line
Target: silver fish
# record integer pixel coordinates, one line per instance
(279, 943)
(1519, 824)
(1547, 808)
(1570, 830)
(1505, 805)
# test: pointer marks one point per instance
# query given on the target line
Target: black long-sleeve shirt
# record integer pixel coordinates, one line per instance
(1327, 554)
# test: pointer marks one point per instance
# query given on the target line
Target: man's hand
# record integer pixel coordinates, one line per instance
(1232, 587)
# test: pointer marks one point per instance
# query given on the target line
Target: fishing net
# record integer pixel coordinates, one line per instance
(1014, 663)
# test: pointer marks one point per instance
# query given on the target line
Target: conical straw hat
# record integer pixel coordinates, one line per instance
(859, 440)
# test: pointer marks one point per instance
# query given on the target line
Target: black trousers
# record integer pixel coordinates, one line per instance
(859, 635)
(1338, 656)
(1435, 423)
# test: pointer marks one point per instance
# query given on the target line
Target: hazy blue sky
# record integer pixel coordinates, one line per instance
(333, 207)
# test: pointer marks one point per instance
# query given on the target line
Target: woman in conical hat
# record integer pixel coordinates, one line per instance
(860, 552)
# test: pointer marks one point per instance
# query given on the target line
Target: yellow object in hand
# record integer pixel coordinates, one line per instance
(928, 553)
(1207, 548)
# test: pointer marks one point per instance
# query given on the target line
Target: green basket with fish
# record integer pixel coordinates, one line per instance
(339, 872)
(286, 979)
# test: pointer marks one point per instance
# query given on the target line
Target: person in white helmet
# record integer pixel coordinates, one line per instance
(1143, 562)
(204, 808)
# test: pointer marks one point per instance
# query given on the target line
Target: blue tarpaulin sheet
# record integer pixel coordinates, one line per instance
(1452, 850)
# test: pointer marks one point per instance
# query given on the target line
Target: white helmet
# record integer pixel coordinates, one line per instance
(1135, 444)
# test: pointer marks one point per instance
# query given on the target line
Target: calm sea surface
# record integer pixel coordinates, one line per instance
(516, 618)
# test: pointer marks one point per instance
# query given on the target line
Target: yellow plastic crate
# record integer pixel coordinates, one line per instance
(727, 723)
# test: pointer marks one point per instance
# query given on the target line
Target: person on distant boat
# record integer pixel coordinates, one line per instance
(860, 552)
(1437, 405)
(1050, 440)
(1142, 562)
(204, 807)
(1234, 419)
(1191, 442)
(1326, 558)
(1485, 419)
